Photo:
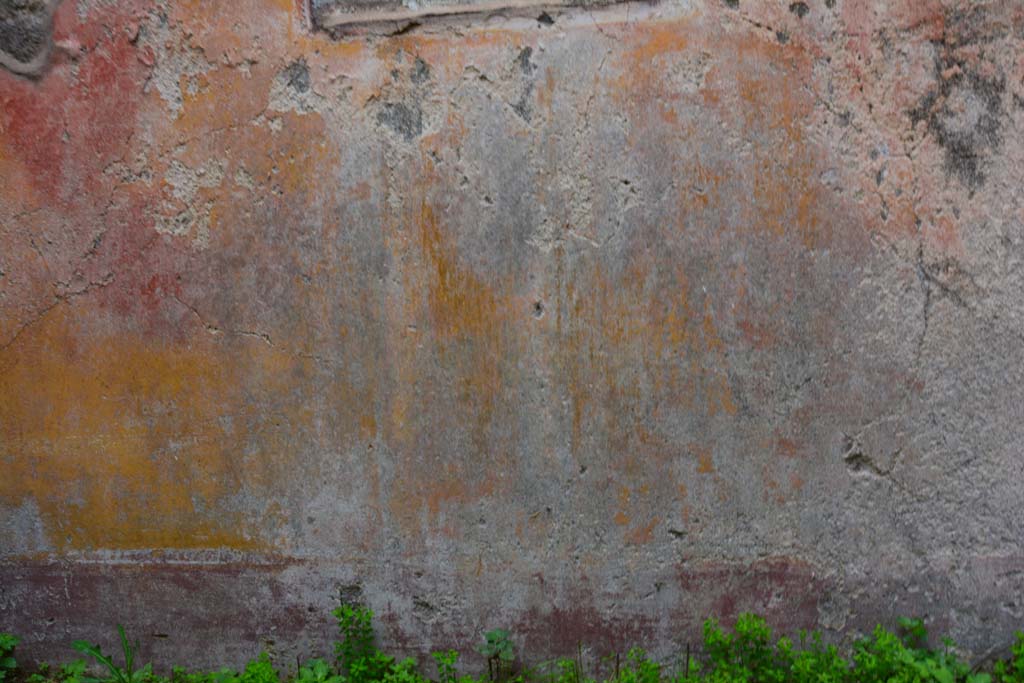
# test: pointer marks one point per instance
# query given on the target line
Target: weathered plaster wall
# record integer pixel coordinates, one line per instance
(589, 328)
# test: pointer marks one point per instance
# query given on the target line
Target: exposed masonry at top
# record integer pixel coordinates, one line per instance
(344, 16)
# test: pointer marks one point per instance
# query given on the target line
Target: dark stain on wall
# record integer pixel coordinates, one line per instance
(25, 35)
(964, 110)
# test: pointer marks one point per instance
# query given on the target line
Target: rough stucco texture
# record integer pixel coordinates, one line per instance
(589, 329)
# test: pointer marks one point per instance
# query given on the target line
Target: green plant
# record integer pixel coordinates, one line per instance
(447, 666)
(72, 672)
(358, 658)
(499, 651)
(259, 670)
(877, 658)
(817, 662)
(7, 662)
(355, 625)
(639, 668)
(887, 658)
(41, 675)
(747, 654)
(180, 675)
(913, 632)
(403, 672)
(318, 671)
(126, 674)
(1012, 671)
(567, 670)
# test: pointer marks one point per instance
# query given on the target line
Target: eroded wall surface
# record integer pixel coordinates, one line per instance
(588, 326)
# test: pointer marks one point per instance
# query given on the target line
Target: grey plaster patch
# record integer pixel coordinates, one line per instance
(296, 75)
(404, 119)
(420, 72)
(23, 529)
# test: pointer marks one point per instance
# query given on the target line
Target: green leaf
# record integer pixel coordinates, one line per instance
(94, 651)
(73, 671)
(129, 654)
